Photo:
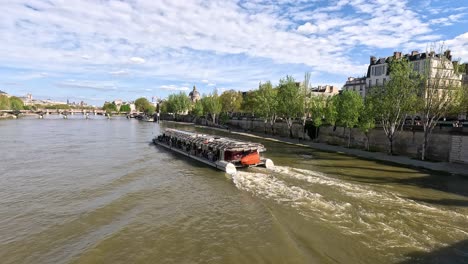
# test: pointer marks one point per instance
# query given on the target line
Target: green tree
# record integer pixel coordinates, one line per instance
(197, 109)
(16, 103)
(109, 107)
(212, 105)
(349, 107)
(367, 118)
(231, 101)
(290, 101)
(178, 103)
(440, 94)
(464, 100)
(396, 99)
(248, 102)
(125, 108)
(143, 105)
(331, 112)
(265, 103)
(5, 103)
(318, 106)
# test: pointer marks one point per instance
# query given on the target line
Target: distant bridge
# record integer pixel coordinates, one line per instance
(65, 112)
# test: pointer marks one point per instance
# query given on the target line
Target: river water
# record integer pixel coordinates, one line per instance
(97, 191)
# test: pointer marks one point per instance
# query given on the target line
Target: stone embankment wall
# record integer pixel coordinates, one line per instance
(407, 143)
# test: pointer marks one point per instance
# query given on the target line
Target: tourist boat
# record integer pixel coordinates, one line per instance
(222, 153)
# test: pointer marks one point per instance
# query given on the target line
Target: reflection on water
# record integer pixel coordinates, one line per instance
(94, 191)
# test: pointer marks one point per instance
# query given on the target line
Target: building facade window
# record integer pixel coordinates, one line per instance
(378, 70)
(384, 81)
(370, 83)
(377, 82)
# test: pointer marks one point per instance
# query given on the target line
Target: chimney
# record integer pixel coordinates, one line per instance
(414, 52)
(373, 59)
(448, 54)
(397, 55)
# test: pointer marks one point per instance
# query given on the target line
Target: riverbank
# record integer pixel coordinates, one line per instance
(452, 168)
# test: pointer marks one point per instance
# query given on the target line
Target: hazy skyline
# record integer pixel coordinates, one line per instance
(104, 50)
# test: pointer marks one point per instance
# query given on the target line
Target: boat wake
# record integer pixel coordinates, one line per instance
(355, 208)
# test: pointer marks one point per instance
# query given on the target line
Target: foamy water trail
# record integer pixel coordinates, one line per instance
(354, 208)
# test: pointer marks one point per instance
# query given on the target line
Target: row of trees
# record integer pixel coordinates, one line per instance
(11, 103)
(431, 94)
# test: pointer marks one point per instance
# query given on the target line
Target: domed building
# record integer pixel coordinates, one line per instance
(194, 95)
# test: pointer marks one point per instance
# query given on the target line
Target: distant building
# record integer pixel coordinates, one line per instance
(28, 99)
(378, 73)
(327, 90)
(356, 84)
(194, 95)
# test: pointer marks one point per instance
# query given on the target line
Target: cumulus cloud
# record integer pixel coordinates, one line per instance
(307, 28)
(251, 41)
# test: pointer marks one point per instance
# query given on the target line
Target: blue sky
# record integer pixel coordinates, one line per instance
(105, 50)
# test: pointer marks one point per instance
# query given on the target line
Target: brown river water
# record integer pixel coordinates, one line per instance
(97, 191)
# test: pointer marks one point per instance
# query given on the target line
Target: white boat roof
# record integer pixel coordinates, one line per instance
(214, 141)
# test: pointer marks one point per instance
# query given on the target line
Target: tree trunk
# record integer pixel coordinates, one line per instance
(303, 129)
(390, 141)
(349, 137)
(424, 145)
(367, 143)
(265, 126)
(316, 132)
(290, 123)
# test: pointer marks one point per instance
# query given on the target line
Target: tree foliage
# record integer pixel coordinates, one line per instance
(16, 103)
(367, 118)
(349, 107)
(290, 101)
(396, 99)
(5, 103)
(318, 104)
(143, 105)
(197, 109)
(265, 101)
(125, 108)
(109, 107)
(178, 103)
(231, 101)
(212, 105)
(331, 112)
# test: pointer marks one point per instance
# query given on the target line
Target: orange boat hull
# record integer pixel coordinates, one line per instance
(251, 159)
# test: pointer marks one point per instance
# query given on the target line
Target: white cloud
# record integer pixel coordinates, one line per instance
(459, 46)
(307, 28)
(137, 60)
(205, 81)
(211, 84)
(92, 85)
(250, 41)
(119, 73)
(448, 20)
(172, 87)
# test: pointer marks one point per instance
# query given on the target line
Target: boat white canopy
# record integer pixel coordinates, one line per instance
(213, 141)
